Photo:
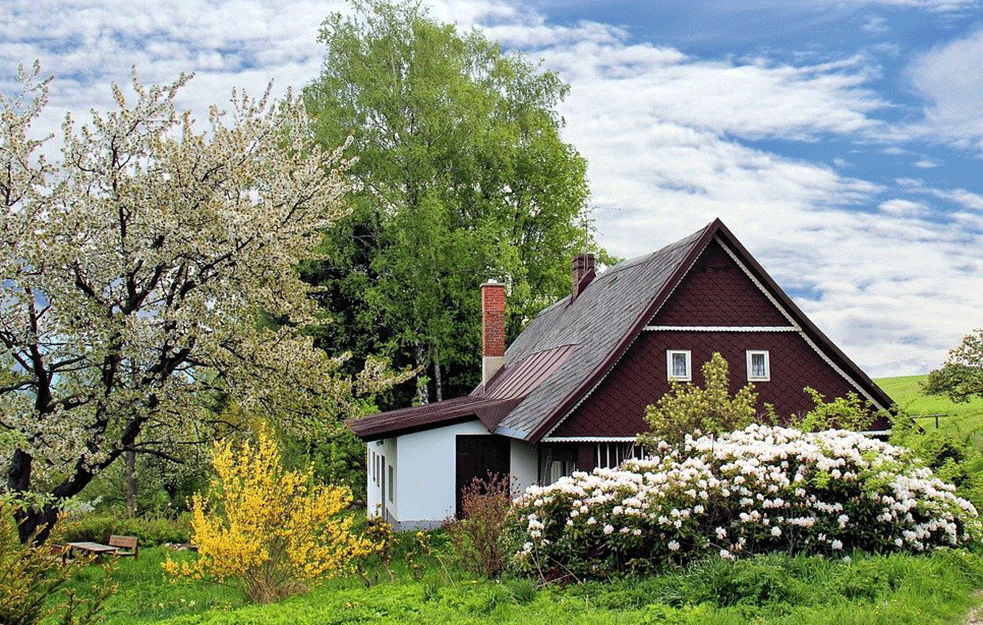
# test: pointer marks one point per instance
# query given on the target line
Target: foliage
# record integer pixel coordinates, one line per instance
(930, 589)
(848, 413)
(134, 271)
(381, 550)
(419, 555)
(266, 531)
(961, 375)
(462, 176)
(149, 531)
(758, 490)
(477, 538)
(690, 409)
(33, 581)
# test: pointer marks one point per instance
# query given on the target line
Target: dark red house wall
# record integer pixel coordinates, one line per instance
(617, 406)
(716, 292)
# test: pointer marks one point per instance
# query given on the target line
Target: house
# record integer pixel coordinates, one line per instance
(571, 391)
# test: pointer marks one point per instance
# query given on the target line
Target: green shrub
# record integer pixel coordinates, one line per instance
(150, 532)
(33, 579)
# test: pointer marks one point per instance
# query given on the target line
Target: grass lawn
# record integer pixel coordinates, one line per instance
(769, 590)
(907, 393)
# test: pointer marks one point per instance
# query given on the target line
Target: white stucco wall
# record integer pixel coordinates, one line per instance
(427, 474)
(377, 476)
(425, 469)
(524, 459)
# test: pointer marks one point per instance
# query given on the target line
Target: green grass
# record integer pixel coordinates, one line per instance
(907, 393)
(771, 590)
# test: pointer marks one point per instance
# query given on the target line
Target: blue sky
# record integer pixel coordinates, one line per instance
(840, 141)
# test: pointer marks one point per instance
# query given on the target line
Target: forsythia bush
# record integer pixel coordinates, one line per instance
(755, 490)
(267, 531)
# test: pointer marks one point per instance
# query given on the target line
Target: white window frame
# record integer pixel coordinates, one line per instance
(750, 369)
(689, 364)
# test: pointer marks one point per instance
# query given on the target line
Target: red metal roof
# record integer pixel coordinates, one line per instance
(489, 403)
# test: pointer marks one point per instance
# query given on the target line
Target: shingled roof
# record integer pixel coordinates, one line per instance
(570, 346)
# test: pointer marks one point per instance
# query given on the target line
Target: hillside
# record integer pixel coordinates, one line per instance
(907, 393)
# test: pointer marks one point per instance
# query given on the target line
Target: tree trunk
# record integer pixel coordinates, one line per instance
(35, 523)
(422, 388)
(130, 457)
(437, 378)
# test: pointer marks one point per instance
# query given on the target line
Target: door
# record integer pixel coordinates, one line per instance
(476, 456)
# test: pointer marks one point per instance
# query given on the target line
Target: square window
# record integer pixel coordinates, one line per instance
(678, 365)
(758, 367)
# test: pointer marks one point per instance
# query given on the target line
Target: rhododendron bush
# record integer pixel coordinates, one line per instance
(755, 490)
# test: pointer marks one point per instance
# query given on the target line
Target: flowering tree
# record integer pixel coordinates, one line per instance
(266, 531)
(136, 270)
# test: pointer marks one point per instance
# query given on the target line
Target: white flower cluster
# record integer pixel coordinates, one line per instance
(753, 490)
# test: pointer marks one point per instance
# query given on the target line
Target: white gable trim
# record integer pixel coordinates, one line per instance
(590, 439)
(722, 329)
(792, 324)
(802, 333)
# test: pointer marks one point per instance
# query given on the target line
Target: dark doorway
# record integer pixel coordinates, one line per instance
(476, 456)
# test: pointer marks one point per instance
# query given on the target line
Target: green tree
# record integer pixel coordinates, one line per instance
(461, 176)
(689, 409)
(961, 375)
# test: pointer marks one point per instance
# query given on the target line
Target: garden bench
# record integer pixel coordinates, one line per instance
(126, 546)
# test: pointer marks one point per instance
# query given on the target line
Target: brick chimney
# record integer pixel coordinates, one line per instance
(583, 273)
(492, 328)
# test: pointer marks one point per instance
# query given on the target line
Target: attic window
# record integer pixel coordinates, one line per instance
(758, 367)
(678, 365)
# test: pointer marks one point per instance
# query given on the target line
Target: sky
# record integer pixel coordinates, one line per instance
(841, 141)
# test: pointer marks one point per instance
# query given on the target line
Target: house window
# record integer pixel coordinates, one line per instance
(758, 367)
(390, 483)
(610, 455)
(678, 365)
(561, 468)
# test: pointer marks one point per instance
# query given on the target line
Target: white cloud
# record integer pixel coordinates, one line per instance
(927, 163)
(665, 134)
(950, 79)
(902, 207)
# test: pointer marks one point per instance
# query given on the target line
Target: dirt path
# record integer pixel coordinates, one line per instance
(976, 616)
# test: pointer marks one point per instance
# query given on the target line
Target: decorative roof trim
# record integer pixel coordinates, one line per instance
(850, 380)
(590, 439)
(649, 313)
(721, 329)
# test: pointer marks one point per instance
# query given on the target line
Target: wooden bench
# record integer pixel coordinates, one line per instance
(126, 546)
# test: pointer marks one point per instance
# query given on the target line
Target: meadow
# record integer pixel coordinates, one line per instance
(776, 589)
(932, 411)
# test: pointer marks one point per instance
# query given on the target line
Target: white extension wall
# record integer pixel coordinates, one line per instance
(424, 467)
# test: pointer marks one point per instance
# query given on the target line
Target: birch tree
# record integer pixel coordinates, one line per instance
(135, 273)
(462, 176)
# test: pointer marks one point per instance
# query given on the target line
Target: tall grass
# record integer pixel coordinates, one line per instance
(770, 590)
